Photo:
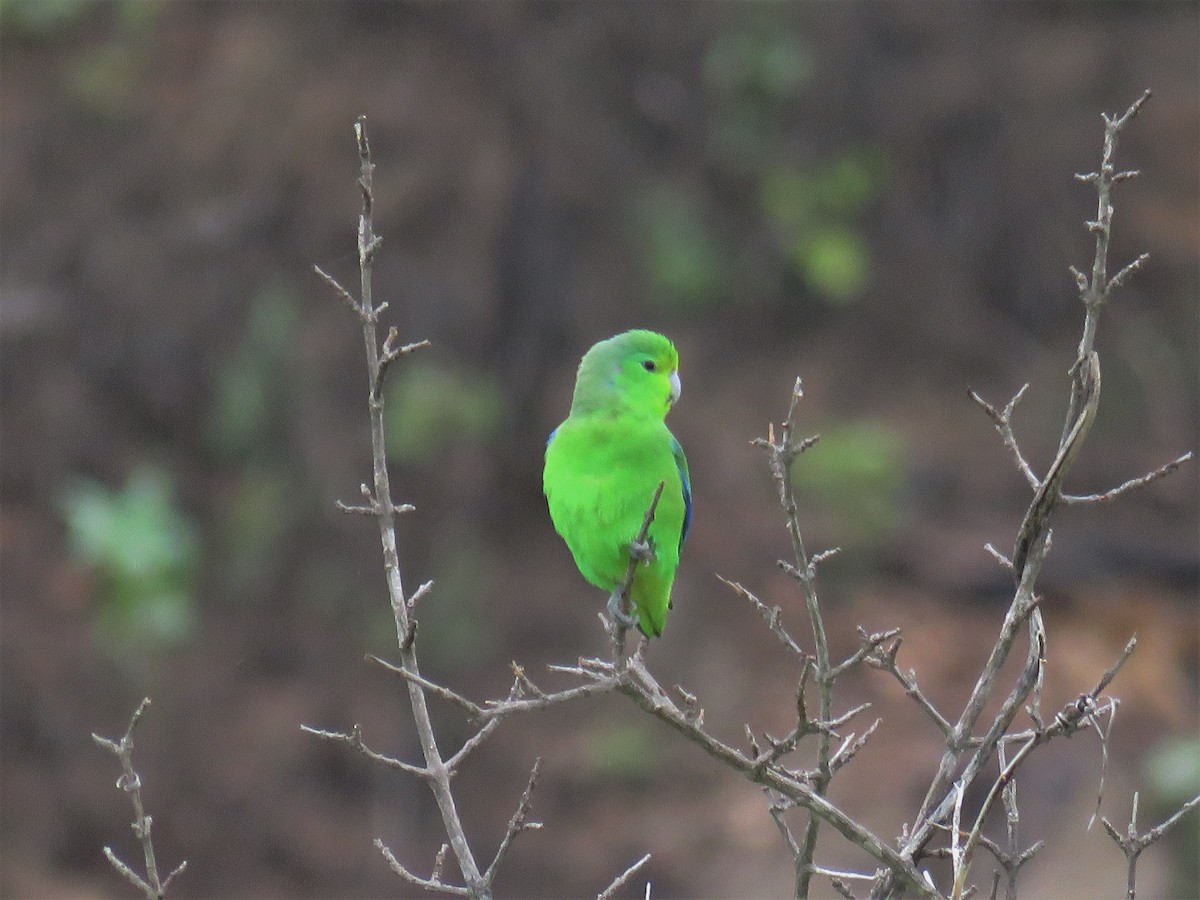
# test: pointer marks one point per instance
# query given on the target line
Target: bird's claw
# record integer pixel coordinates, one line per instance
(622, 618)
(642, 551)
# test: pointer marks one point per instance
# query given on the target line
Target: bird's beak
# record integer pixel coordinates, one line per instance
(676, 386)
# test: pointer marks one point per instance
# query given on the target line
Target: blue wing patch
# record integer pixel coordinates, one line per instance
(686, 483)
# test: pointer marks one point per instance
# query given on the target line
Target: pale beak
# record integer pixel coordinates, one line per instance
(676, 386)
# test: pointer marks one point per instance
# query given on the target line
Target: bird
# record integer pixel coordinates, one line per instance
(604, 464)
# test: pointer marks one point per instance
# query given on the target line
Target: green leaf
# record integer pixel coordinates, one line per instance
(833, 261)
(144, 551)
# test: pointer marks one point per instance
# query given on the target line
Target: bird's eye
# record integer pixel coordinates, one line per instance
(649, 365)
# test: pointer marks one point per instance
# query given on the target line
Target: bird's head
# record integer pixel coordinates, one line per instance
(636, 372)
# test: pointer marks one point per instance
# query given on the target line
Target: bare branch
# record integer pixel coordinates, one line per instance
(772, 615)
(344, 294)
(433, 883)
(519, 821)
(1132, 485)
(472, 709)
(1132, 844)
(781, 455)
(381, 507)
(886, 662)
(617, 883)
(131, 783)
(501, 708)
(850, 747)
(639, 685)
(1036, 524)
(354, 740)
(624, 608)
(1003, 422)
(472, 744)
(869, 646)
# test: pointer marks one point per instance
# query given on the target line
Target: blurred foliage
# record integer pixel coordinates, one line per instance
(457, 627)
(687, 267)
(857, 471)
(623, 750)
(50, 19)
(753, 77)
(1173, 774)
(813, 214)
(103, 75)
(253, 525)
(1174, 770)
(430, 406)
(43, 18)
(145, 552)
(253, 384)
(250, 426)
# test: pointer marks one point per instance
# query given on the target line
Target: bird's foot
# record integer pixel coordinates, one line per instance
(642, 551)
(622, 618)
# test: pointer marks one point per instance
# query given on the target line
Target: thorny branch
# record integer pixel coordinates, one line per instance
(437, 772)
(966, 753)
(1132, 844)
(151, 886)
(781, 455)
(1032, 545)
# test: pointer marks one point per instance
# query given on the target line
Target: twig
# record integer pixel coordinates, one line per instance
(886, 662)
(771, 615)
(1132, 484)
(1033, 538)
(519, 821)
(626, 587)
(781, 455)
(869, 646)
(129, 782)
(1003, 422)
(617, 883)
(354, 739)
(434, 883)
(1132, 844)
(384, 510)
(474, 710)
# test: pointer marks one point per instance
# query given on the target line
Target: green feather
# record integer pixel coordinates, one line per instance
(604, 463)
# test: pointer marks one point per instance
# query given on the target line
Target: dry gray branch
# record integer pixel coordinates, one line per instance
(438, 770)
(618, 882)
(519, 821)
(1132, 484)
(773, 616)
(131, 783)
(886, 662)
(436, 773)
(638, 684)
(637, 549)
(781, 455)
(1132, 844)
(1031, 546)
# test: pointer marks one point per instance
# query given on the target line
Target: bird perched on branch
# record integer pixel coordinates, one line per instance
(604, 464)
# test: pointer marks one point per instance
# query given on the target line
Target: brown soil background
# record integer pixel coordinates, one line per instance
(141, 221)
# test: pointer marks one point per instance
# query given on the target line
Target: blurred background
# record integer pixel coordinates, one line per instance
(875, 196)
